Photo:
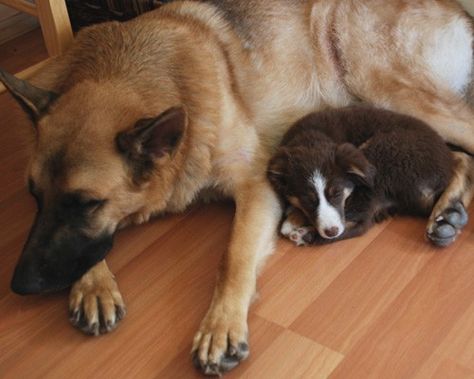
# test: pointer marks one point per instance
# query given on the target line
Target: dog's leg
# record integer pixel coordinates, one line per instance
(449, 214)
(448, 114)
(221, 342)
(95, 303)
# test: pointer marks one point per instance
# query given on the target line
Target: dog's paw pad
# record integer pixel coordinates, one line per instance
(456, 216)
(445, 228)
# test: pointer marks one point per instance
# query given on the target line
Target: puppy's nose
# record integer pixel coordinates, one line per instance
(332, 232)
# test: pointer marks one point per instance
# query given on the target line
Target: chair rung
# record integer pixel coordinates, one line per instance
(22, 6)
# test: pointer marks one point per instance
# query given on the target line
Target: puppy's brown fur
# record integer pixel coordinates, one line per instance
(374, 163)
(242, 72)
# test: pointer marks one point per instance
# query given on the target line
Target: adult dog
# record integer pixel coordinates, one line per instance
(139, 118)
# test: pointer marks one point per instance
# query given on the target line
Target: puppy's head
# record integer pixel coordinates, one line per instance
(319, 180)
(100, 153)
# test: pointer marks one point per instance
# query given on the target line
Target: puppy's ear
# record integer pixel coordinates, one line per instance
(354, 163)
(153, 138)
(277, 170)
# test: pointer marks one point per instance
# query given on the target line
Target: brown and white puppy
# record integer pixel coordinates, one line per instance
(345, 169)
(140, 118)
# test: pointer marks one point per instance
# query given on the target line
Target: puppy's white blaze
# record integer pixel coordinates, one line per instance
(328, 217)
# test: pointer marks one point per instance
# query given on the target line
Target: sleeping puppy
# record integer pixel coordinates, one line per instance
(343, 170)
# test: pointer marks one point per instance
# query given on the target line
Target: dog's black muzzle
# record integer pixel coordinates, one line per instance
(56, 254)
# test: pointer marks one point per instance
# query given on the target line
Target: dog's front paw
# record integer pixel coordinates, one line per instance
(95, 303)
(295, 227)
(221, 342)
(303, 236)
(443, 229)
(299, 235)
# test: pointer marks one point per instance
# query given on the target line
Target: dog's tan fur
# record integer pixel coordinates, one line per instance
(461, 188)
(243, 71)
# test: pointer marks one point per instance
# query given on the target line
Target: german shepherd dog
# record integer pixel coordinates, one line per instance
(139, 118)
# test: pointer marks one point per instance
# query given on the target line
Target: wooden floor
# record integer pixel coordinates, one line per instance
(383, 306)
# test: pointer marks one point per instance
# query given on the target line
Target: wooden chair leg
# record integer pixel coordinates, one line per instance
(55, 24)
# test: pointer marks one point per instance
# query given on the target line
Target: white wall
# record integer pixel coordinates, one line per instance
(469, 5)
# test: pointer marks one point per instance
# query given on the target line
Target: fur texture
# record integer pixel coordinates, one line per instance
(241, 72)
(348, 168)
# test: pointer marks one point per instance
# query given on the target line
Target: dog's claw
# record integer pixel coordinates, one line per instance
(232, 351)
(93, 329)
(75, 316)
(446, 227)
(120, 312)
(212, 370)
(227, 362)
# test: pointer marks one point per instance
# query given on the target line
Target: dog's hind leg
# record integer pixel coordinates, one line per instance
(449, 215)
(221, 342)
(95, 303)
(449, 115)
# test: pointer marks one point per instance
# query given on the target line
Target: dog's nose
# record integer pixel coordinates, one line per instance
(23, 283)
(332, 232)
(26, 288)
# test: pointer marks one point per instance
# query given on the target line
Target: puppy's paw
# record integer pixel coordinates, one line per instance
(95, 304)
(221, 342)
(295, 228)
(300, 235)
(303, 236)
(443, 229)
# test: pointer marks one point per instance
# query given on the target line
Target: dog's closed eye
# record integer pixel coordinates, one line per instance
(82, 203)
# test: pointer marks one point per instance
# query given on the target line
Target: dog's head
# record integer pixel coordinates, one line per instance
(98, 153)
(318, 180)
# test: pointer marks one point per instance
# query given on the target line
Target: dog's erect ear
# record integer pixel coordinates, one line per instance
(353, 161)
(153, 138)
(277, 170)
(35, 101)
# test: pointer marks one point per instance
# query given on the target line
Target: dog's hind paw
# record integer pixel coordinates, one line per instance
(221, 342)
(443, 229)
(95, 303)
